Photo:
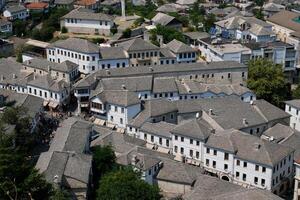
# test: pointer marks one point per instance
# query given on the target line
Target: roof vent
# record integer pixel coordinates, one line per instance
(210, 112)
(123, 87)
(245, 122)
(212, 131)
(256, 146)
(197, 115)
(271, 138)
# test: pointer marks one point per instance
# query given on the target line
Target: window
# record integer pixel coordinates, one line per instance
(182, 139)
(160, 141)
(176, 137)
(207, 150)
(238, 162)
(255, 180)
(245, 164)
(197, 143)
(45, 94)
(207, 162)
(181, 150)
(167, 143)
(226, 156)
(121, 120)
(263, 182)
(215, 152)
(111, 118)
(244, 177)
(191, 153)
(237, 174)
(191, 141)
(197, 154)
(122, 110)
(116, 109)
(263, 169)
(93, 68)
(256, 168)
(225, 167)
(214, 164)
(175, 149)
(149, 172)
(152, 138)
(40, 93)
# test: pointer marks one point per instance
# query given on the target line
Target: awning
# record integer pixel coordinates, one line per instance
(99, 122)
(45, 103)
(149, 146)
(163, 150)
(110, 125)
(121, 130)
(53, 104)
(178, 157)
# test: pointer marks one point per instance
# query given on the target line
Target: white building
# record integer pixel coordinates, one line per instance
(16, 12)
(88, 22)
(245, 28)
(292, 107)
(81, 52)
(5, 26)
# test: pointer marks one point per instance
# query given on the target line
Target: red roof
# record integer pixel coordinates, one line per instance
(37, 5)
(86, 2)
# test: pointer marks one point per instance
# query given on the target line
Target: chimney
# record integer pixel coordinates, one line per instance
(49, 68)
(14, 76)
(251, 102)
(210, 112)
(55, 179)
(2, 77)
(146, 36)
(107, 72)
(123, 87)
(197, 115)
(151, 69)
(212, 131)
(160, 40)
(245, 122)
(123, 9)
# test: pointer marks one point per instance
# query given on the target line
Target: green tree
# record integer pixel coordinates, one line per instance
(126, 184)
(104, 159)
(127, 33)
(267, 80)
(19, 28)
(209, 21)
(64, 29)
(168, 33)
(258, 14)
(259, 2)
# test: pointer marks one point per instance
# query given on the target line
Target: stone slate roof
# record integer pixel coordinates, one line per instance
(164, 84)
(279, 132)
(137, 44)
(212, 188)
(167, 69)
(48, 83)
(294, 103)
(293, 141)
(108, 53)
(229, 112)
(161, 128)
(179, 47)
(163, 19)
(45, 65)
(65, 164)
(153, 108)
(194, 128)
(8, 68)
(134, 84)
(248, 147)
(119, 97)
(16, 8)
(76, 44)
(166, 53)
(83, 15)
(285, 19)
(177, 172)
(196, 35)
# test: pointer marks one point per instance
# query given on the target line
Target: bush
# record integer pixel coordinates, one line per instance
(64, 29)
(127, 33)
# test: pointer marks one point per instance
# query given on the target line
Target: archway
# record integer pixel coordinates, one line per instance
(225, 178)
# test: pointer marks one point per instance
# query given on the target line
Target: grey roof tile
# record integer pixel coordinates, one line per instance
(76, 44)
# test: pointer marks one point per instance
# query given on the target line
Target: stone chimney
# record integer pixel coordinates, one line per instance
(123, 10)
(160, 40)
(14, 76)
(245, 122)
(210, 112)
